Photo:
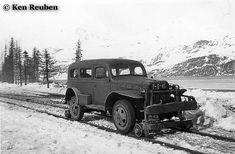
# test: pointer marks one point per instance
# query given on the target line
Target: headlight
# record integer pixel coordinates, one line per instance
(142, 90)
(174, 86)
(177, 87)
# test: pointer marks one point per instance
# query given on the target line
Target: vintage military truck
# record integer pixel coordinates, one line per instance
(121, 88)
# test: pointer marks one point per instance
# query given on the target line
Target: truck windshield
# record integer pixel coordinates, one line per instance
(128, 70)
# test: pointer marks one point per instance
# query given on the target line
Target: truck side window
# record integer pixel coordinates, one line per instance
(85, 72)
(74, 73)
(100, 72)
(124, 71)
(114, 71)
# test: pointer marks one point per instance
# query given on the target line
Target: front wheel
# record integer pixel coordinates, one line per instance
(75, 109)
(123, 116)
(138, 130)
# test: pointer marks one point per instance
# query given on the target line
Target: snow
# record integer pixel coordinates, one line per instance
(210, 107)
(214, 104)
(32, 88)
(25, 131)
(227, 123)
(60, 76)
(174, 55)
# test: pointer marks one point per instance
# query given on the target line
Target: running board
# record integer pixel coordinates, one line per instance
(95, 107)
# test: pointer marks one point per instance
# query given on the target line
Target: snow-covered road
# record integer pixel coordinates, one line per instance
(25, 131)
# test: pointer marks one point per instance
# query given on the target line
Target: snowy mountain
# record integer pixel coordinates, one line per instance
(211, 65)
(201, 58)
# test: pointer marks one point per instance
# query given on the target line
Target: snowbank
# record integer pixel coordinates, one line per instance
(227, 123)
(217, 107)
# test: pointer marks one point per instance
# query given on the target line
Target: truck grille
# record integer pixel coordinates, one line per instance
(160, 86)
(163, 97)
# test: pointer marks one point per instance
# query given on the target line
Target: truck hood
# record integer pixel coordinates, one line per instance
(141, 82)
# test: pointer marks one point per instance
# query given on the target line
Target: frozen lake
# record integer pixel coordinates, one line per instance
(219, 83)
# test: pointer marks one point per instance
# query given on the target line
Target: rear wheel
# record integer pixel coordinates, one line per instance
(123, 116)
(67, 114)
(75, 109)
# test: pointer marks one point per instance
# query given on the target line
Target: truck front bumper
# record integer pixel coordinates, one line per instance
(171, 107)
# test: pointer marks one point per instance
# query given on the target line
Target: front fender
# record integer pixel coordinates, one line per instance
(129, 93)
(115, 95)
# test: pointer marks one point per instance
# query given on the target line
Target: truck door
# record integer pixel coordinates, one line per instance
(101, 87)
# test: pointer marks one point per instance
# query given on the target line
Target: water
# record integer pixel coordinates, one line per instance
(218, 83)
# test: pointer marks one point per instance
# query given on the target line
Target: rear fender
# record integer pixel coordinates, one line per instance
(83, 98)
(71, 92)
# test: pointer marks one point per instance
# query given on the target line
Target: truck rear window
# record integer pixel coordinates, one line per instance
(74, 73)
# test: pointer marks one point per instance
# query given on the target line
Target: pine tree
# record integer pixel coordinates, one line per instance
(20, 65)
(78, 54)
(36, 60)
(26, 66)
(5, 51)
(8, 65)
(48, 66)
(15, 63)
(3, 73)
(11, 60)
(5, 67)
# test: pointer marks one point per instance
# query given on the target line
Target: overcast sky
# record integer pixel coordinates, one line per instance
(114, 28)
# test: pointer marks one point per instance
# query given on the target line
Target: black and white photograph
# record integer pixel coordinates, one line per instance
(117, 76)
